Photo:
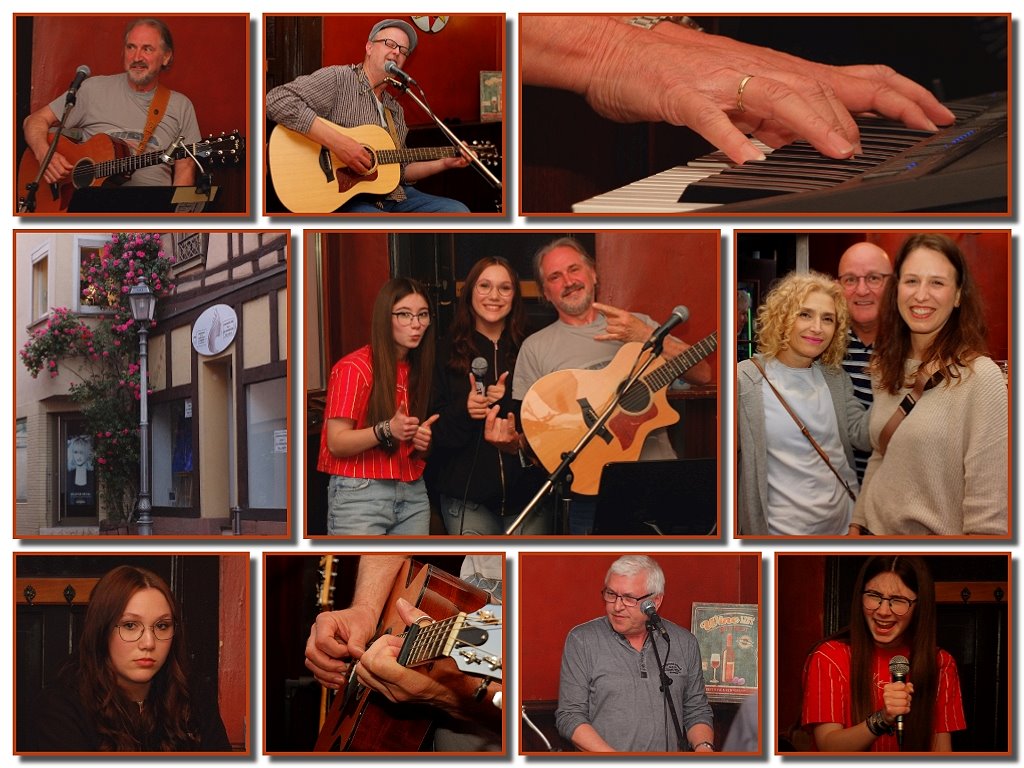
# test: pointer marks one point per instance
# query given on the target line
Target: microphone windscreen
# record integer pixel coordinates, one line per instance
(479, 367)
(899, 665)
(647, 607)
(682, 312)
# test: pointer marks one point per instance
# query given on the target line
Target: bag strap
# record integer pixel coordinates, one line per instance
(922, 382)
(157, 107)
(804, 431)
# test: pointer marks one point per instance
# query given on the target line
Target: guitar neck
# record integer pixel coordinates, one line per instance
(415, 155)
(681, 363)
(132, 163)
(434, 641)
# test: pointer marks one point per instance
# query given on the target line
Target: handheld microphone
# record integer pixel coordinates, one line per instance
(479, 369)
(899, 667)
(679, 315)
(396, 71)
(80, 74)
(648, 608)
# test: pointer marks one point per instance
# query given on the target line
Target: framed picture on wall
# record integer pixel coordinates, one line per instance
(727, 634)
(490, 96)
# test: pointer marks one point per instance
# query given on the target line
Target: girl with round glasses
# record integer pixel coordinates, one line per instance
(480, 483)
(127, 689)
(376, 432)
(850, 702)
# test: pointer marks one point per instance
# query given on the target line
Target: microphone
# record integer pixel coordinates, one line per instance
(80, 74)
(167, 156)
(648, 609)
(679, 315)
(479, 369)
(899, 667)
(396, 71)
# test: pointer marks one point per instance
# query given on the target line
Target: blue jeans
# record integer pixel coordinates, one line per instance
(357, 506)
(415, 202)
(473, 519)
(581, 516)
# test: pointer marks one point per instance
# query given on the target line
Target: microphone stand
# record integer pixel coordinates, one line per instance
(666, 681)
(569, 456)
(28, 203)
(476, 162)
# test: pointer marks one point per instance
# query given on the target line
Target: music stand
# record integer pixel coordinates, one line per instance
(673, 497)
(141, 199)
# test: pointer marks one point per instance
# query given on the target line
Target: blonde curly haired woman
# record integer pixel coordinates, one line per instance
(786, 486)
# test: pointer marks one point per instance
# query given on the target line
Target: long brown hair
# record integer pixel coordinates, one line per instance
(958, 342)
(464, 324)
(163, 723)
(382, 403)
(919, 635)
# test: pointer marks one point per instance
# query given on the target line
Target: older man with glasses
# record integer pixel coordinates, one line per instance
(611, 695)
(864, 269)
(355, 95)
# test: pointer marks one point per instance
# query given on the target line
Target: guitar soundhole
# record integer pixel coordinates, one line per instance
(82, 175)
(636, 399)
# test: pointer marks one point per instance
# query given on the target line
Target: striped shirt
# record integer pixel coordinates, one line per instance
(348, 397)
(858, 355)
(341, 94)
(827, 694)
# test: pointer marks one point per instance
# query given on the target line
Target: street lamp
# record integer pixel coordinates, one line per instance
(143, 302)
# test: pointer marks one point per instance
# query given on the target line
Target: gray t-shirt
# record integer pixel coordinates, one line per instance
(606, 683)
(560, 346)
(107, 104)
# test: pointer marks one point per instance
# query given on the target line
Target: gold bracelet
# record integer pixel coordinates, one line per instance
(649, 22)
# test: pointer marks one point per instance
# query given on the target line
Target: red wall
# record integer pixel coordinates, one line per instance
(799, 624)
(557, 591)
(653, 272)
(211, 60)
(447, 64)
(234, 664)
(987, 253)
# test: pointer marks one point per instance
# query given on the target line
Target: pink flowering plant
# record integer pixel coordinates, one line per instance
(103, 354)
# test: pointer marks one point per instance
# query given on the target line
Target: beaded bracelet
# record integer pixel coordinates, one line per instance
(382, 431)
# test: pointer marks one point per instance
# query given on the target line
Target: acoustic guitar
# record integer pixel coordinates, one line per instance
(309, 178)
(561, 407)
(104, 160)
(362, 720)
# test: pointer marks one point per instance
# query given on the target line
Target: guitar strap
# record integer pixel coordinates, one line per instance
(399, 193)
(157, 107)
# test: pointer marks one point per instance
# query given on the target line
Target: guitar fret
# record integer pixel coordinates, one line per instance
(671, 370)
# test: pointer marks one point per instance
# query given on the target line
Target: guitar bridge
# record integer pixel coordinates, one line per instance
(325, 164)
(590, 418)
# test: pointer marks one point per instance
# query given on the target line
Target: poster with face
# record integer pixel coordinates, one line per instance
(81, 480)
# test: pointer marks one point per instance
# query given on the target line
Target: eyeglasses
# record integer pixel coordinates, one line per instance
(484, 288)
(627, 600)
(405, 318)
(131, 631)
(393, 45)
(898, 605)
(872, 280)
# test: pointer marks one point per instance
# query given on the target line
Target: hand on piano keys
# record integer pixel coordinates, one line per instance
(680, 76)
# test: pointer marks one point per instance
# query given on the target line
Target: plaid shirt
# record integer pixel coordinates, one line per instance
(341, 94)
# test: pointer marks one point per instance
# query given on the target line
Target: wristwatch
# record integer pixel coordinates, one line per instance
(707, 744)
(649, 22)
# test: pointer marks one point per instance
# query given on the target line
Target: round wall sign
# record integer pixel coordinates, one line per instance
(214, 330)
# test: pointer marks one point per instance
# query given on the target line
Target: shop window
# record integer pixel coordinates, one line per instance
(267, 442)
(172, 454)
(21, 459)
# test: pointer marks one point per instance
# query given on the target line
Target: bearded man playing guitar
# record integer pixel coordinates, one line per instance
(586, 335)
(120, 105)
(321, 105)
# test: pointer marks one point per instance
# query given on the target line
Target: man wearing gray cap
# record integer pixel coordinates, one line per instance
(354, 95)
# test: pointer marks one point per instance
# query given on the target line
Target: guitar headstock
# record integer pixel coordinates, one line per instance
(486, 151)
(226, 149)
(477, 648)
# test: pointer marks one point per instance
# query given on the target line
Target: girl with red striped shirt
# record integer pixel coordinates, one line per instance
(376, 432)
(851, 703)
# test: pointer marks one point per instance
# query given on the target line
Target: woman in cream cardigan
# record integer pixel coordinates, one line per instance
(943, 469)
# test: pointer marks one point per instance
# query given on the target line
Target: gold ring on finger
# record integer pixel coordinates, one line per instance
(739, 93)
